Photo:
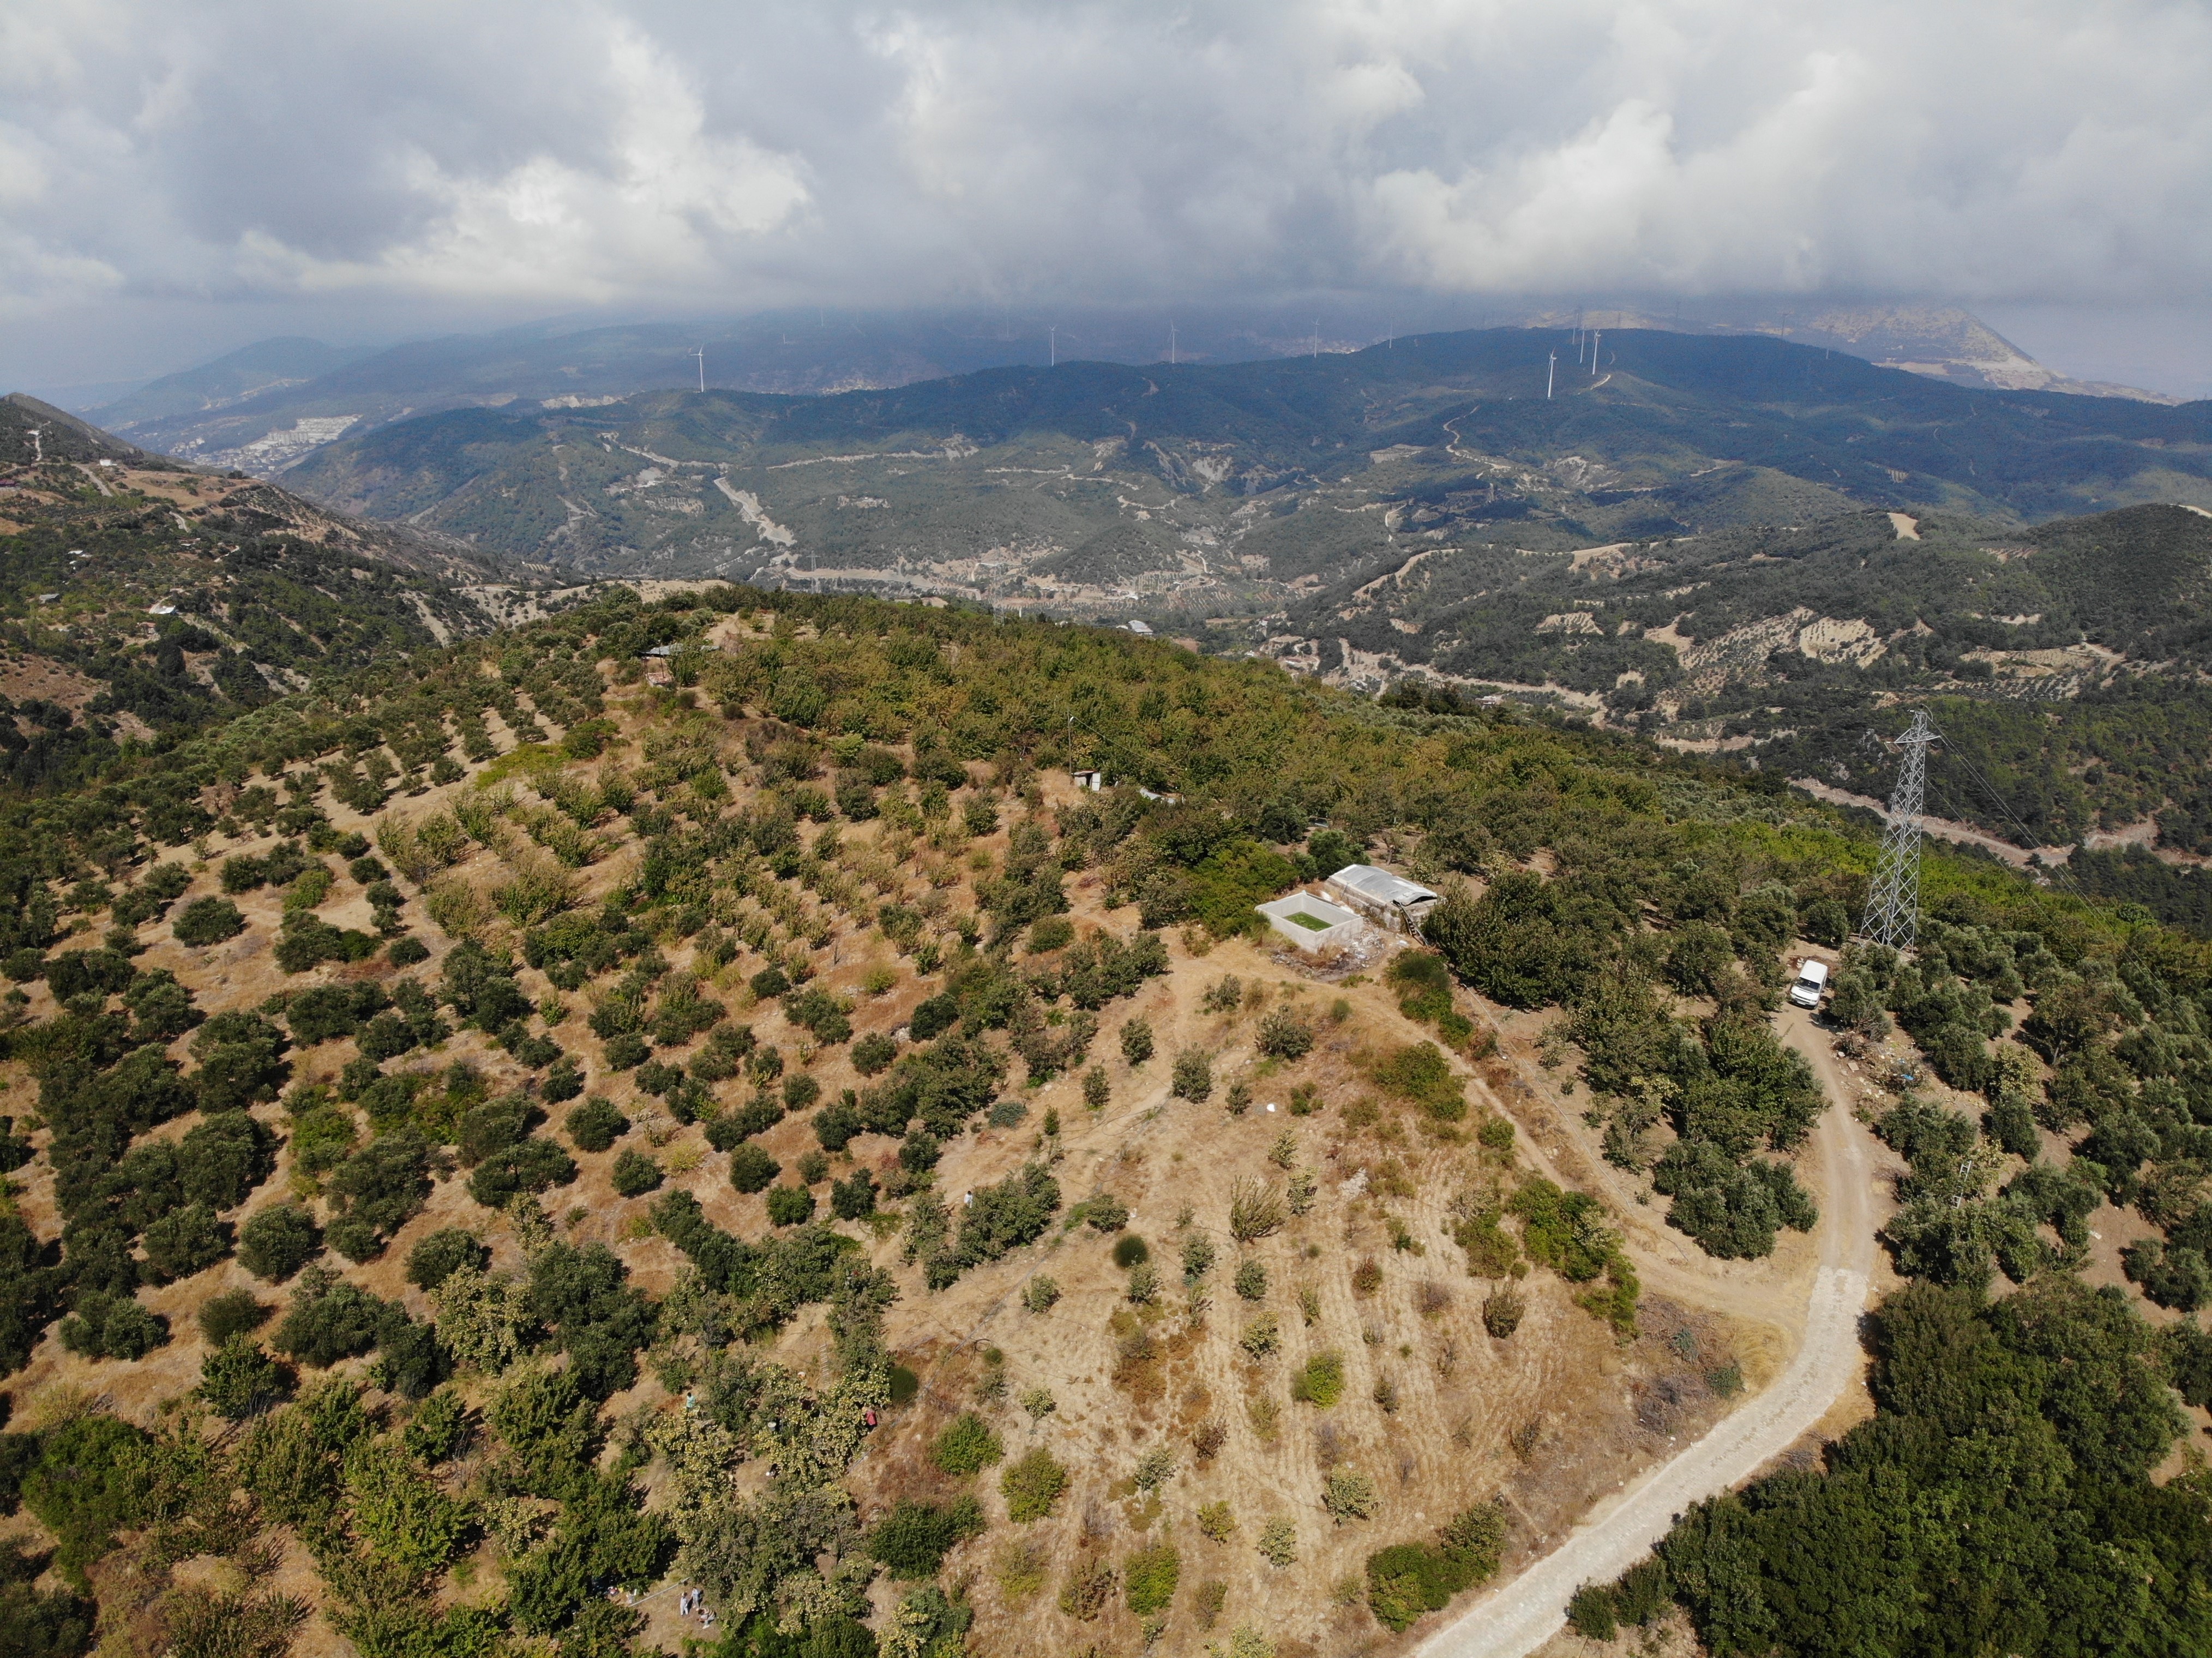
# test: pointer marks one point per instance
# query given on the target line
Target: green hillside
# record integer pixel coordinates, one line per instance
(499, 1205)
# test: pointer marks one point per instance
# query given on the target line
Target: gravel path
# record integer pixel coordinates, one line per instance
(1520, 1616)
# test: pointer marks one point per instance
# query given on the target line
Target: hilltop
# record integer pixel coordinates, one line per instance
(567, 1120)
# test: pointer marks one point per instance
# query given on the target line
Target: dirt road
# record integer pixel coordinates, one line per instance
(1520, 1616)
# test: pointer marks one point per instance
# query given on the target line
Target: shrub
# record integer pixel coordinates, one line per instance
(1320, 1379)
(533, 1166)
(1088, 1586)
(1192, 1076)
(1148, 1578)
(185, 1241)
(444, 1252)
(208, 921)
(913, 1539)
(1216, 1520)
(1255, 1212)
(596, 1125)
(233, 1313)
(1130, 1250)
(1591, 1613)
(1503, 1309)
(968, 1446)
(238, 1380)
(439, 1428)
(1262, 1337)
(1032, 1485)
(1350, 1495)
(751, 1168)
(1251, 1280)
(790, 1205)
(93, 1479)
(1279, 1541)
(1285, 1035)
(1104, 1212)
(635, 1174)
(1040, 1293)
(855, 1198)
(1143, 1284)
(329, 1320)
(278, 1241)
(873, 1053)
(110, 1326)
(1136, 1042)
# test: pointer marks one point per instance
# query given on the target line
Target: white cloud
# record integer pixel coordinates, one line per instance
(544, 152)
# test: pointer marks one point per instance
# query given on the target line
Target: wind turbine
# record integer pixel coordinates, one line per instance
(1052, 347)
(1551, 373)
(702, 355)
(1597, 339)
(1171, 345)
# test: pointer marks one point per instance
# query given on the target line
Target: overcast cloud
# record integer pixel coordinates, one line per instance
(215, 169)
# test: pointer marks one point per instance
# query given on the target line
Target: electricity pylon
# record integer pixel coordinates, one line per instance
(1893, 911)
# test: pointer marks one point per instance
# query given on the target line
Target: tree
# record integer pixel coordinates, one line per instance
(278, 1241)
(1032, 1485)
(238, 1380)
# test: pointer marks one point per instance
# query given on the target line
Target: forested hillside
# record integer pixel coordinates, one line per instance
(754, 1129)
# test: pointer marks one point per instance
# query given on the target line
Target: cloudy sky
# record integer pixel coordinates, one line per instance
(179, 180)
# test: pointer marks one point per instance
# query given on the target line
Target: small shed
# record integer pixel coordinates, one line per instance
(1309, 922)
(1091, 781)
(1397, 903)
(1136, 626)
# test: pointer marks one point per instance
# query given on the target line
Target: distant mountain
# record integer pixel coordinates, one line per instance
(1235, 486)
(268, 407)
(268, 365)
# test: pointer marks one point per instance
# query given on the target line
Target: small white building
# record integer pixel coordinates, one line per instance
(1089, 781)
(1136, 626)
(1309, 922)
(1393, 901)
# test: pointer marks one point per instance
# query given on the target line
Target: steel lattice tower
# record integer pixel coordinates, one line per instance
(1893, 911)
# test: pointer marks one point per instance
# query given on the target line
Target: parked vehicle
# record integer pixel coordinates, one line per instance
(1811, 980)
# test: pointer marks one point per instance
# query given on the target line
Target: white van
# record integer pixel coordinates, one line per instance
(1811, 980)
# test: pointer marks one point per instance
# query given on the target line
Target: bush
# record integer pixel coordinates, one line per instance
(207, 921)
(1502, 1311)
(329, 1320)
(854, 1198)
(1591, 1614)
(1192, 1076)
(439, 1428)
(968, 1446)
(635, 1174)
(110, 1326)
(790, 1205)
(93, 1478)
(1320, 1379)
(873, 1053)
(1285, 1035)
(913, 1539)
(1251, 1280)
(1148, 1578)
(1104, 1212)
(1136, 1042)
(1040, 1293)
(238, 1380)
(1130, 1250)
(443, 1252)
(1032, 1485)
(278, 1241)
(185, 1241)
(233, 1313)
(1350, 1495)
(533, 1166)
(751, 1168)
(596, 1125)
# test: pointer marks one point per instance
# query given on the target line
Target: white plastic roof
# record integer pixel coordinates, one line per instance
(1380, 886)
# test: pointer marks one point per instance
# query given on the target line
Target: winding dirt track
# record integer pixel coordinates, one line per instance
(1520, 1616)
